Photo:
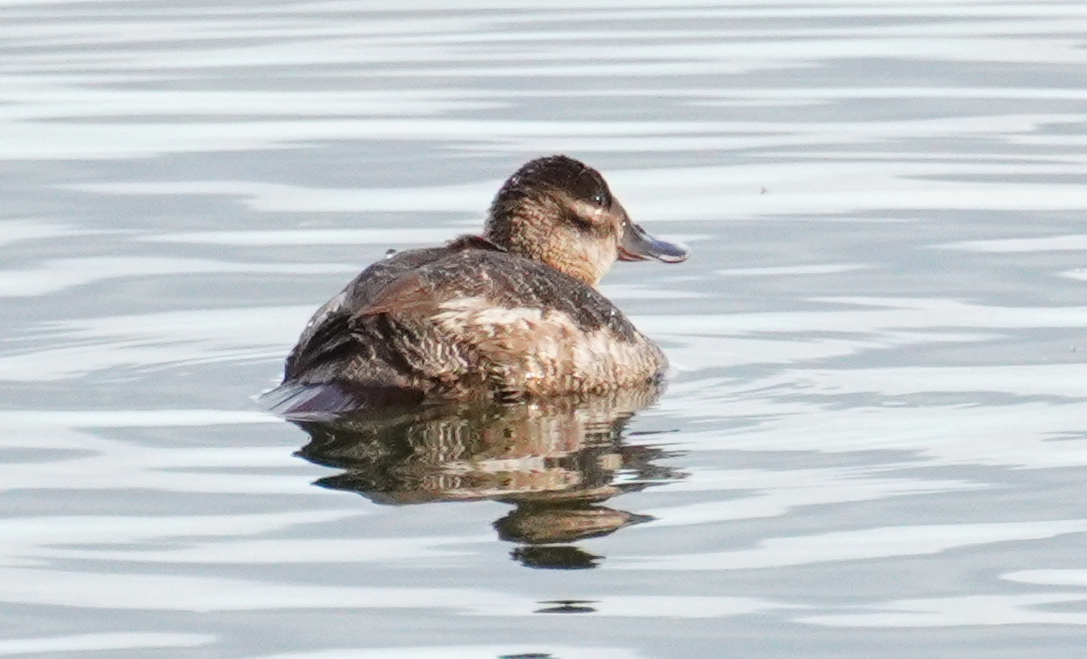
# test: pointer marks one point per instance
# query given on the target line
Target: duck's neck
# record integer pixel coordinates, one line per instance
(580, 264)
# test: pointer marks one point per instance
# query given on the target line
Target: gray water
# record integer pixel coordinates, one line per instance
(873, 440)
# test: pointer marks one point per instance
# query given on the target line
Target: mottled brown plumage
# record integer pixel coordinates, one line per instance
(512, 314)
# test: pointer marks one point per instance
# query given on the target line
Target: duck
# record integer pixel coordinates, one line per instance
(511, 314)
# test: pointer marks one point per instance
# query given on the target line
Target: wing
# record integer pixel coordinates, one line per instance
(464, 319)
(327, 336)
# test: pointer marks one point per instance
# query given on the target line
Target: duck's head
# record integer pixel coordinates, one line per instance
(561, 212)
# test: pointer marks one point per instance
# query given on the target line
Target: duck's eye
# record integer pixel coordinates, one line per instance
(600, 199)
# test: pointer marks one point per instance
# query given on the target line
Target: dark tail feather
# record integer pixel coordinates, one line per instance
(293, 400)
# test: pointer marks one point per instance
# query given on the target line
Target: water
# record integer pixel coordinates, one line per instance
(873, 440)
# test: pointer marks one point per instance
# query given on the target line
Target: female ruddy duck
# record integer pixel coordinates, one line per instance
(510, 315)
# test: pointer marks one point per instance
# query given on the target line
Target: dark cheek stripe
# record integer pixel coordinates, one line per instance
(582, 224)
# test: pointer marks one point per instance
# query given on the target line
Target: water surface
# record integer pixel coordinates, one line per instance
(873, 439)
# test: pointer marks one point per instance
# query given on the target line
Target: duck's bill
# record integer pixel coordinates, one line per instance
(639, 245)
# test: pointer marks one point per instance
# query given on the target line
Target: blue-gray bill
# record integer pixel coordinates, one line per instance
(639, 245)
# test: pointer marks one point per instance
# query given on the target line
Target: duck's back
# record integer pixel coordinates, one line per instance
(466, 320)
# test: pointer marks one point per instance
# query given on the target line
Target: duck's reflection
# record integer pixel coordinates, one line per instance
(556, 461)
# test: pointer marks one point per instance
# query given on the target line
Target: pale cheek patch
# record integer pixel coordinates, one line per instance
(598, 252)
(601, 255)
(587, 210)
